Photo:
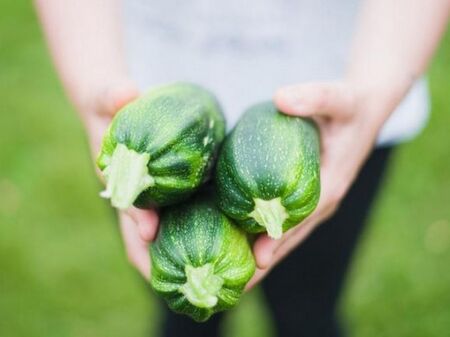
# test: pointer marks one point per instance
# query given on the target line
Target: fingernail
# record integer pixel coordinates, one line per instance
(265, 260)
(145, 231)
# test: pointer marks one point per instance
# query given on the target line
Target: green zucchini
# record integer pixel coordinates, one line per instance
(268, 172)
(160, 148)
(201, 261)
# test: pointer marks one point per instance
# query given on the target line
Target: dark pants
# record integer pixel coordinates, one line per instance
(303, 290)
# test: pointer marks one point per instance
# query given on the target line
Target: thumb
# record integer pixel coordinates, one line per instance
(327, 99)
(116, 96)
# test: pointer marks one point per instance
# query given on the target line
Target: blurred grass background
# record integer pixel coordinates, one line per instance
(62, 267)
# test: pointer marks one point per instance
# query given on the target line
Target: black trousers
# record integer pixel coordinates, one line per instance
(303, 290)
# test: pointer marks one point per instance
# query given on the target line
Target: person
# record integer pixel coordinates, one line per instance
(353, 66)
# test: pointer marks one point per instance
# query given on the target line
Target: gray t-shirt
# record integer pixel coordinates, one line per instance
(244, 50)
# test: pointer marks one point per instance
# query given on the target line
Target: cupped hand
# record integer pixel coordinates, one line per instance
(349, 121)
(138, 227)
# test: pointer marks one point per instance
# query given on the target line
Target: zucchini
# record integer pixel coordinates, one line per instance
(160, 147)
(267, 175)
(201, 261)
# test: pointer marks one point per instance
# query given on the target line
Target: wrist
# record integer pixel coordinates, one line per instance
(381, 94)
(375, 101)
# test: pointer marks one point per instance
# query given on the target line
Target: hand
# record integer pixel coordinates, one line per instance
(138, 227)
(349, 122)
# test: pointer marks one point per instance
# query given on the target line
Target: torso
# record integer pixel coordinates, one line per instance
(244, 50)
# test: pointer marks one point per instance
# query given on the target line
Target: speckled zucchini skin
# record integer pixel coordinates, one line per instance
(269, 155)
(196, 233)
(180, 126)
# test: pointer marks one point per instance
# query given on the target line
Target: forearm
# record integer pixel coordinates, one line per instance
(393, 44)
(84, 38)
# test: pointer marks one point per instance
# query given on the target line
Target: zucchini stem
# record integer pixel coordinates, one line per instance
(202, 286)
(126, 176)
(270, 214)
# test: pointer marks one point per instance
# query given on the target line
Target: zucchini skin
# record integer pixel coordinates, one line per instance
(269, 155)
(180, 126)
(196, 233)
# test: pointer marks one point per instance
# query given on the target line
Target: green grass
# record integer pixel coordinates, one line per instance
(63, 271)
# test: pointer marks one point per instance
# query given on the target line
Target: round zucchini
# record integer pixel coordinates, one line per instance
(160, 147)
(201, 261)
(268, 172)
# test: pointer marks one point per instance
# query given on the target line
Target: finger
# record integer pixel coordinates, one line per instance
(256, 278)
(96, 129)
(263, 249)
(146, 221)
(136, 248)
(115, 97)
(295, 238)
(315, 99)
